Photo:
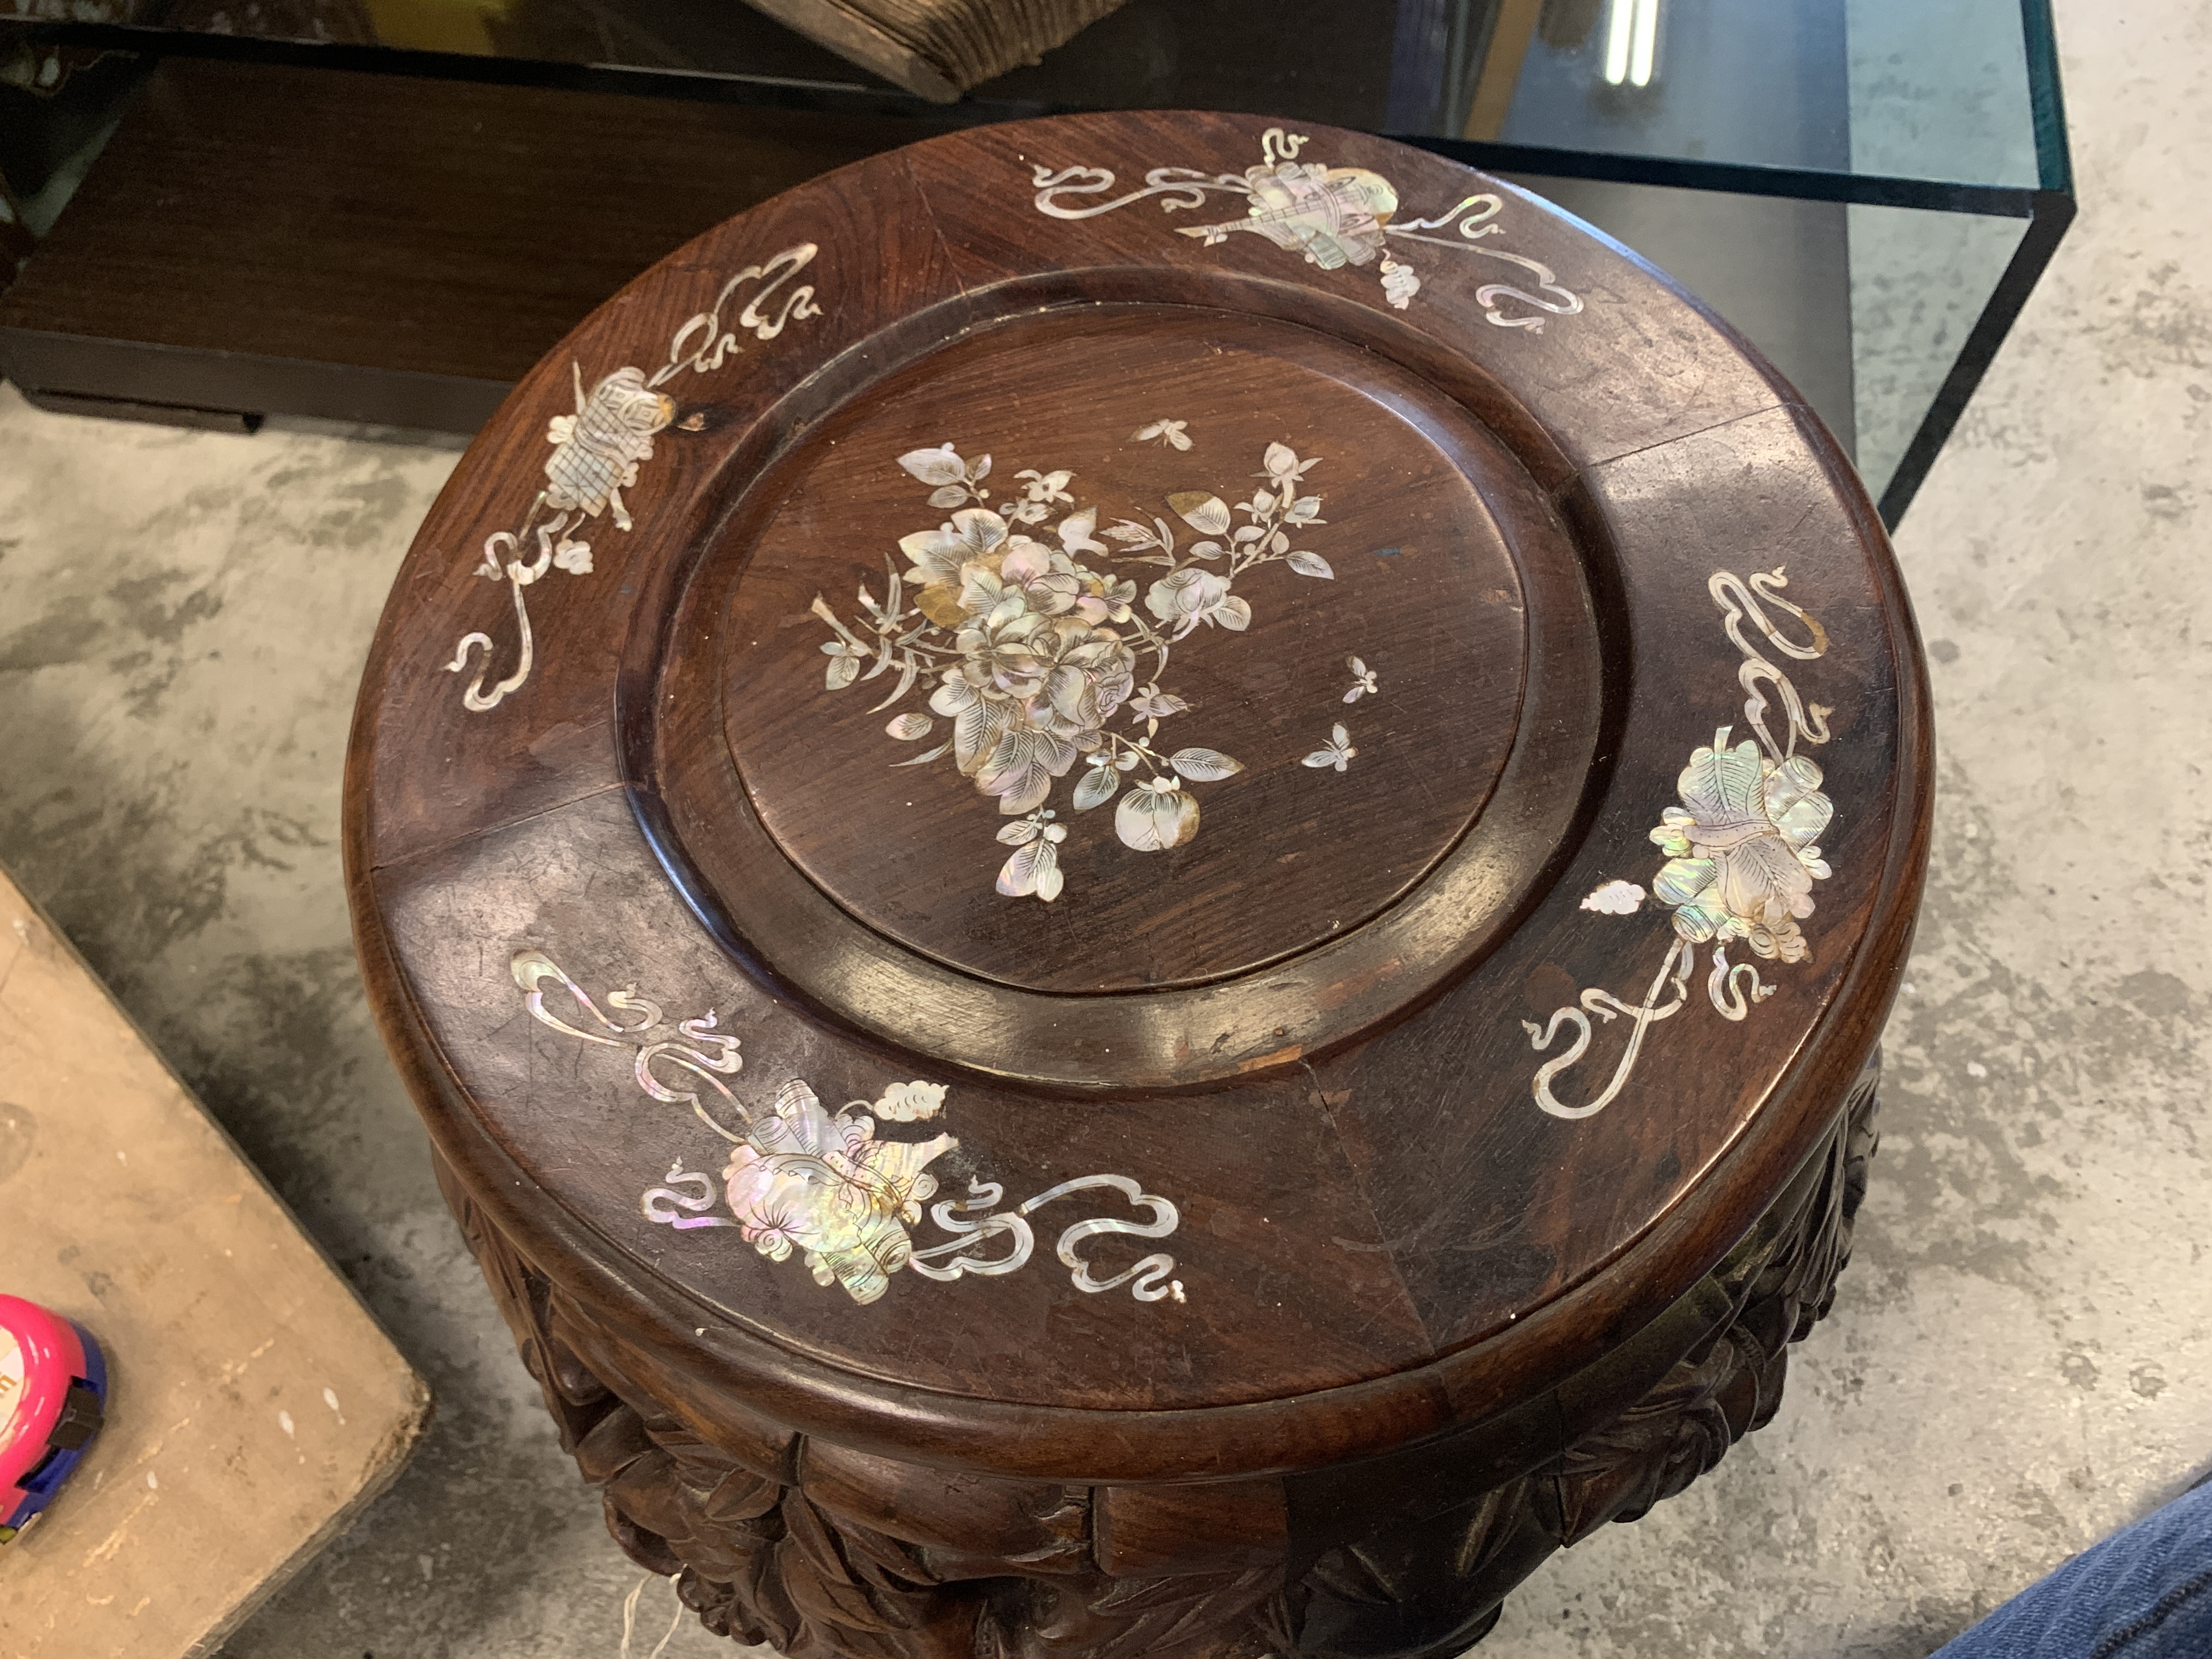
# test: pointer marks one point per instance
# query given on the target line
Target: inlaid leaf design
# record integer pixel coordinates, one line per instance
(907, 727)
(976, 730)
(935, 466)
(1207, 513)
(1204, 765)
(1020, 780)
(1034, 868)
(1097, 786)
(1310, 564)
(1020, 770)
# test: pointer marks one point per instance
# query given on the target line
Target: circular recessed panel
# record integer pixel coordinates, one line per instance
(1162, 644)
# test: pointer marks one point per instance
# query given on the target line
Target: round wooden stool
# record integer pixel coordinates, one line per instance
(1140, 872)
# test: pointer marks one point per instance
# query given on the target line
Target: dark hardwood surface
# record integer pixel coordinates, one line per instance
(375, 248)
(1421, 587)
(1381, 1237)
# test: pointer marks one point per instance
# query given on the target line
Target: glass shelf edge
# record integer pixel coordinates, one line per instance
(2054, 160)
(860, 98)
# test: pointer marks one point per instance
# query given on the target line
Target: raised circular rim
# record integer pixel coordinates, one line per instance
(1360, 378)
(747, 892)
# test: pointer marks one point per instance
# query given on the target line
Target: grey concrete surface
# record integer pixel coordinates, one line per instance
(2022, 1357)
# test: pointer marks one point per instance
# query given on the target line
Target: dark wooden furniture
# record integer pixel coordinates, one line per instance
(368, 248)
(1282, 981)
(380, 249)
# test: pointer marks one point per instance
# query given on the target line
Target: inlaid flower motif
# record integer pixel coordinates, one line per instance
(1332, 217)
(1043, 487)
(1742, 851)
(971, 534)
(1046, 580)
(1032, 650)
(806, 1180)
(1192, 596)
(1104, 599)
(1283, 466)
(1006, 653)
(938, 558)
(802, 1178)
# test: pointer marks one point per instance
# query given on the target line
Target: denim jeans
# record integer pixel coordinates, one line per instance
(2144, 1593)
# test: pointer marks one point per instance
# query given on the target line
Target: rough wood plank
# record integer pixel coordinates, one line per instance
(254, 1406)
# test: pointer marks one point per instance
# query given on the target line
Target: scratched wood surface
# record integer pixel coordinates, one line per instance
(1383, 1233)
(254, 1406)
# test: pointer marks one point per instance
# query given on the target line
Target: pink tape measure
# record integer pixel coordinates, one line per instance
(53, 1392)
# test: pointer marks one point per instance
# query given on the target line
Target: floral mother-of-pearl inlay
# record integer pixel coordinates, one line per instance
(597, 449)
(1742, 851)
(1335, 216)
(1031, 646)
(827, 1185)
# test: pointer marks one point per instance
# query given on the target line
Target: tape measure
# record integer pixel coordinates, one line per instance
(53, 1395)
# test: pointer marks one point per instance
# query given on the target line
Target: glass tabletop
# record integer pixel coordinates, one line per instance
(1893, 89)
(1867, 188)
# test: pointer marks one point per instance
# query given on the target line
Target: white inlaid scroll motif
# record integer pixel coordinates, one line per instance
(597, 448)
(1333, 217)
(826, 1185)
(1742, 851)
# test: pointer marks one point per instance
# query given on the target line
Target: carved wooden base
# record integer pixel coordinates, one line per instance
(830, 1553)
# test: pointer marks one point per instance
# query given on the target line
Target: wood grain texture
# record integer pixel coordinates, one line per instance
(1427, 591)
(1382, 1244)
(225, 1464)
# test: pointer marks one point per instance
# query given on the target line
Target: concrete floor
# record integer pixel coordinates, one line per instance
(2022, 1357)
